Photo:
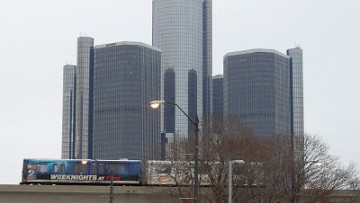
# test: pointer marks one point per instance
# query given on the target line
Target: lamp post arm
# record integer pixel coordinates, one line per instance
(188, 117)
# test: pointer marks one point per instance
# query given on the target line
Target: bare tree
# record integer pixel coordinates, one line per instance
(230, 140)
(273, 171)
(321, 174)
(310, 176)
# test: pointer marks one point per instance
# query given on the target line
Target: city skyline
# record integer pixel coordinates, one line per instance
(43, 34)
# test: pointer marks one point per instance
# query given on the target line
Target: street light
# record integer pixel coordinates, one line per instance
(316, 162)
(230, 176)
(155, 105)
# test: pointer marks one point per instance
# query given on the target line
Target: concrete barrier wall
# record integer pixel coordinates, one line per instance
(85, 194)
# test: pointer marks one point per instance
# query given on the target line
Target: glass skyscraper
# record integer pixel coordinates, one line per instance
(68, 122)
(297, 100)
(218, 103)
(257, 90)
(106, 113)
(182, 29)
(83, 90)
(218, 96)
(126, 78)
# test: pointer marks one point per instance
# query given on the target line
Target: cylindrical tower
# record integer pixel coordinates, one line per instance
(178, 30)
(126, 80)
(257, 90)
(83, 85)
(68, 117)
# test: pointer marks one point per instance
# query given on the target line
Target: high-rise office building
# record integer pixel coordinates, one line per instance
(83, 103)
(257, 90)
(218, 97)
(105, 102)
(297, 100)
(182, 29)
(126, 78)
(68, 122)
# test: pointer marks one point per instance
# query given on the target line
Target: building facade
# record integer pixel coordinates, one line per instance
(257, 90)
(83, 102)
(218, 97)
(182, 29)
(68, 115)
(297, 98)
(126, 78)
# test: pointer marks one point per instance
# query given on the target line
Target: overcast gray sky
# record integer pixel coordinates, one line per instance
(38, 37)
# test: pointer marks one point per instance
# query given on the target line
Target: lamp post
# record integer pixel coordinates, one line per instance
(230, 176)
(156, 104)
(299, 183)
(111, 196)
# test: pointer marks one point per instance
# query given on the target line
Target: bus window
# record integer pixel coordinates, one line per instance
(93, 169)
(31, 167)
(101, 168)
(55, 168)
(78, 168)
(116, 168)
(41, 168)
(62, 168)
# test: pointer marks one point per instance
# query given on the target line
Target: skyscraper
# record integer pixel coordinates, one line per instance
(106, 99)
(207, 60)
(83, 90)
(126, 78)
(68, 122)
(257, 90)
(182, 29)
(218, 96)
(297, 100)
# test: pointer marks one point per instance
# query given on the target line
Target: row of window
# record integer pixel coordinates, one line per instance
(78, 168)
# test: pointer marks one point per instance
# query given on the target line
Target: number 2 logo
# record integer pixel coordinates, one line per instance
(31, 173)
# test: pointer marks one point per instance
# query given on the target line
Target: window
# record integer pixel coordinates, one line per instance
(116, 168)
(31, 167)
(62, 168)
(78, 168)
(93, 169)
(101, 168)
(55, 168)
(41, 168)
